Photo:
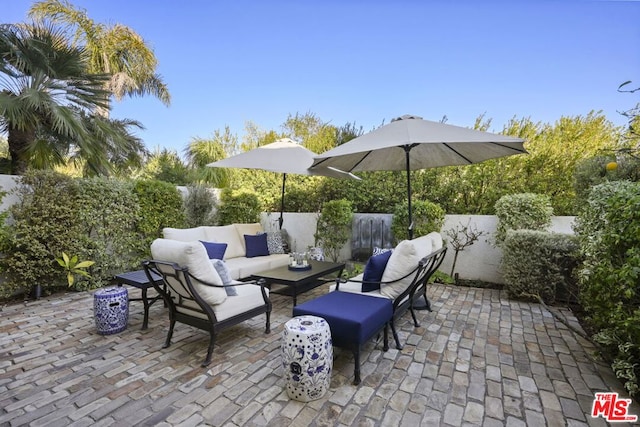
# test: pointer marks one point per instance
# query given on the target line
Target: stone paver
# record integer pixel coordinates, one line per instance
(477, 359)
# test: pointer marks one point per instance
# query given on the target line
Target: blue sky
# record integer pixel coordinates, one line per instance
(227, 63)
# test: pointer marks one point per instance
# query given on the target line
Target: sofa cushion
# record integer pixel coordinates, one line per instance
(404, 259)
(274, 242)
(233, 266)
(215, 250)
(249, 296)
(193, 256)
(184, 234)
(424, 245)
(251, 229)
(436, 240)
(223, 272)
(355, 287)
(256, 245)
(373, 271)
(278, 260)
(226, 234)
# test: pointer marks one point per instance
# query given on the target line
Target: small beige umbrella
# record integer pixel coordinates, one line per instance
(283, 156)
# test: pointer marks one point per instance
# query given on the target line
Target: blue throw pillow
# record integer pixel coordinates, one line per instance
(215, 250)
(373, 271)
(256, 245)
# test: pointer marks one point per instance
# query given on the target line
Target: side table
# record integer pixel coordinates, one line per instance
(307, 357)
(138, 279)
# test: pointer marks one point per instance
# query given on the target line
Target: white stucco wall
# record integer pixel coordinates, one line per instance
(8, 183)
(480, 261)
(301, 228)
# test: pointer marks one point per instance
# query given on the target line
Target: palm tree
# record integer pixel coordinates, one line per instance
(116, 50)
(44, 83)
(202, 151)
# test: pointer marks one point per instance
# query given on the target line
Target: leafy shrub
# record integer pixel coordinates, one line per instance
(593, 171)
(160, 205)
(89, 218)
(238, 207)
(199, 206)
(524, 211)
(44, 223)
(106, 214)
(608, 228)
(538, 263)
(427, 217)
(334, 227)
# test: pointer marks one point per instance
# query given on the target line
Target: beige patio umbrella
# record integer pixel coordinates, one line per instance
(283, 156)
(412, 143)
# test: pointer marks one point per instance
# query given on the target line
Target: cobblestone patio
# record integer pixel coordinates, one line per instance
(477, 359)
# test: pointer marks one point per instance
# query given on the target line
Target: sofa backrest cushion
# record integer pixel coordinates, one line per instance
(250, 229)
(424, 245)
(193, 256)
(226, 234)
(436, 240)
(184, 234)
(403, 260)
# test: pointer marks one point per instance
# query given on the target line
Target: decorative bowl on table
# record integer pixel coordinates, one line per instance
(301, 267)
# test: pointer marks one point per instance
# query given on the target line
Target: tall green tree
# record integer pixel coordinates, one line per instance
(116, 50)
(311, 131)
(44, 88)
(202, 151)
(166, 165)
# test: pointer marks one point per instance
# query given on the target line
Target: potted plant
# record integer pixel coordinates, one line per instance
(72, 266)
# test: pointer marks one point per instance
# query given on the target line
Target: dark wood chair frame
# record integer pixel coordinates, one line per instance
(176, 298)
(417, 289)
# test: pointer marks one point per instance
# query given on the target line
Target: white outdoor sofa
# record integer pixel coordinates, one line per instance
(235, 256)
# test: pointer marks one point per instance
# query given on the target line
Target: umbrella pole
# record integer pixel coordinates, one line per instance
(416, 304)
(281, 219)
(408, 148)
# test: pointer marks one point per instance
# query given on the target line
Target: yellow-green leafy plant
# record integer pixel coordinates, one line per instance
(72, 266)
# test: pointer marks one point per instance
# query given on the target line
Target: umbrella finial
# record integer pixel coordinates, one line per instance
(406, 117)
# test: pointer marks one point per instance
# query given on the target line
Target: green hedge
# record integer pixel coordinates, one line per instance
(538, 263)
(427, 217)
(608, 228)
(524, 211)
(160, 205)
(238, 207)
(107, 221)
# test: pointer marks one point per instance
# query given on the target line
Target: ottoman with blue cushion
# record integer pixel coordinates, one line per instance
(353, 319)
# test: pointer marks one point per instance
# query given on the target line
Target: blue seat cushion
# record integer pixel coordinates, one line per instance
(353, 318)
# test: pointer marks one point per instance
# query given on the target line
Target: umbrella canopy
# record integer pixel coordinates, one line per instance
(283, 156)
(412, 143)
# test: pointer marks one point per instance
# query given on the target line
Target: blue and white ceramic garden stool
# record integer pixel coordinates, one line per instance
(307, 357)
(111, 310)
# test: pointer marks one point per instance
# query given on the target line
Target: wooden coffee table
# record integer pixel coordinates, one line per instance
(294, 282)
